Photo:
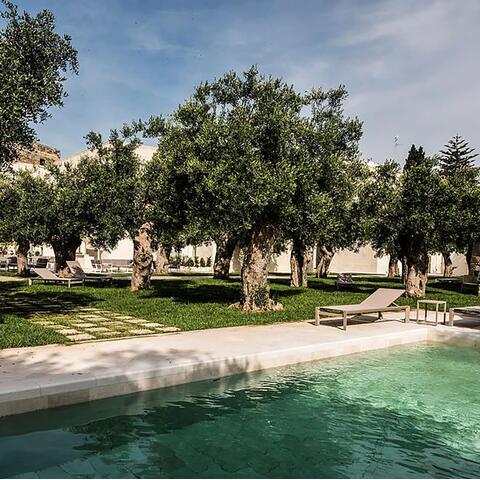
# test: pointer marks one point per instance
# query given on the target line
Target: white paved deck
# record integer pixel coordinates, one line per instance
(44, 377)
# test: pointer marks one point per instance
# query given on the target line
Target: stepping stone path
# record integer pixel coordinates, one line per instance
(81, 337)
(141, 331)
(67, 331)
(79, 324)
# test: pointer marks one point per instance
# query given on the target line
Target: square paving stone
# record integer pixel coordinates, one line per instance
(123, 317)
(152, 324)
(170, 329)
(84, 325)
(97, 329)
(80, 337)
(140, 331)
(67, 331)
(96, 317)
(135, 320)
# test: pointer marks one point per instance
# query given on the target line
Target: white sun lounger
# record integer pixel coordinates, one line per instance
(78, 272)
(473, 311)
(382, 300)
(47, 276)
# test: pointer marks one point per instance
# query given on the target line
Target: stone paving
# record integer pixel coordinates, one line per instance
(78, 323)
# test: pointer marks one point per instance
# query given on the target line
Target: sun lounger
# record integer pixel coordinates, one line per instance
(468, 311)
(380, 301)
(78, 272)
(47, 276)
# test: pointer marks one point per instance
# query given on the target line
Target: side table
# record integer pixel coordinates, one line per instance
(437, 304)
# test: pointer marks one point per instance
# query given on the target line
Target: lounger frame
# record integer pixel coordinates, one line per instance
(68, 281)
(356, 310)
(473, 311)
(77, 270)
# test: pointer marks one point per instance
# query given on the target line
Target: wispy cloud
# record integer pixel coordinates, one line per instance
(411, 67)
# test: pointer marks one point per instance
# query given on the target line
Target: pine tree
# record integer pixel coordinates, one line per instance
(457, 156)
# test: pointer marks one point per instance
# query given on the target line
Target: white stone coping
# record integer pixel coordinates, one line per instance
(52, 376)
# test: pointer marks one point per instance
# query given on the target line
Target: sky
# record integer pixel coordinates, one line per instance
(411, 67)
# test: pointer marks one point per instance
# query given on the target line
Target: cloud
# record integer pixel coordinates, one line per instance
(411, 67)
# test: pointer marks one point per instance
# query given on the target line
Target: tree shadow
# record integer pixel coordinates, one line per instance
(215, 291)
(27, 303)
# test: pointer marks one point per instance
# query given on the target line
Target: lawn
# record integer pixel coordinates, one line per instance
(187, 303)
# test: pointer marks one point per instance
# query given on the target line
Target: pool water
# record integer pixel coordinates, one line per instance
(405, 412)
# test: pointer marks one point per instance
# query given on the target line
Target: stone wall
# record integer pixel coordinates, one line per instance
(39, 155)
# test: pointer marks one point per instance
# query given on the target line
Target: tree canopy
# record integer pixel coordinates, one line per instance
(404, 211)
(457, 158)
(23, 197)
(34, 60)
(459, 226)
(249, 151)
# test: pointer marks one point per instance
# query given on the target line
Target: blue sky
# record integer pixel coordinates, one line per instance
(412, 67)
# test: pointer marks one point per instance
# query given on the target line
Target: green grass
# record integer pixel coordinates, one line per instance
(18, 332)
(195, 302)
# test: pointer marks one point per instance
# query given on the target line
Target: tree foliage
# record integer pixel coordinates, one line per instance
(247, 158)
(404, 214)
(22, 199)
(457, 158)
(34, 60)
(461, 198)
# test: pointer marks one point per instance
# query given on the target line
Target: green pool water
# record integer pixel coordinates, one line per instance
(404, 412)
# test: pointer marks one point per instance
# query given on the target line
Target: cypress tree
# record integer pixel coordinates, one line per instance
(416, 156)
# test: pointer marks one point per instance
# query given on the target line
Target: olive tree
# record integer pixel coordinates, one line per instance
(327, 176)
(23, 195)
(129, 202)
(380, 199)
(34, 60)
(404, 215)
(242, 146)
(82, 204)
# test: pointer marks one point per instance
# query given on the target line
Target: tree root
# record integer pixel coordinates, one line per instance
(271, 306)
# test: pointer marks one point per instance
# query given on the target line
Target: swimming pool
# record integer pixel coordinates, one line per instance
(402, 412)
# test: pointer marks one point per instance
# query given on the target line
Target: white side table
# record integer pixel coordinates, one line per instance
(437, 304)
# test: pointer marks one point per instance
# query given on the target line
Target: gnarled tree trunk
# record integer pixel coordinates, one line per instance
(324, 259)
(142, 258)
(255, 286)
(393, 270)
(299, 259)
(447, 265)
(163, 257)
(404, 270)
(64, 250)
(417, 274)
(23, 247)
(223, 258)
(468, 258)
(424, 267)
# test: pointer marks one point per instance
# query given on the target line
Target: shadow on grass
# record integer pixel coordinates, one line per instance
(215, 291)
(26, 303)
